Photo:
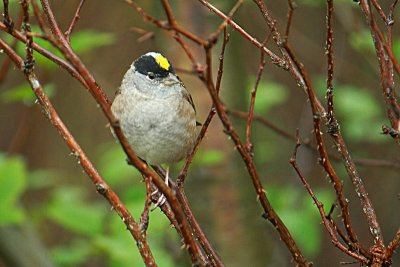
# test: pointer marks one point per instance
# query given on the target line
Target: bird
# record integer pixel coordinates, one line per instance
(156, 113)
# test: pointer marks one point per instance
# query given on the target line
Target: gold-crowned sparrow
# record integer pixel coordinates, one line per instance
(155, 111)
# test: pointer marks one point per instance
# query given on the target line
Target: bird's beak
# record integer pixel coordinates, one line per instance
(172, 79)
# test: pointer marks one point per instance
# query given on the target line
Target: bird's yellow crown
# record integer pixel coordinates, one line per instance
(162, 61)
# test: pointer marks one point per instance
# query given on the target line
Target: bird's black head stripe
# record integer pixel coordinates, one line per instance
(147, 64)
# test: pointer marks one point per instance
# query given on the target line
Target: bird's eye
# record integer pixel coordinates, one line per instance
(151, 76)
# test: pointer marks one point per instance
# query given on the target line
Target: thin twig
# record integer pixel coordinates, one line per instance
(301, 77)
(74, 21)
(214, 36)
(306, 142)
(269, 212)
(29, 61)
(164, 25)
(320, 206)
(289, 16)
(6, 15)
(250, 115)
(274, 58)
(393, 245)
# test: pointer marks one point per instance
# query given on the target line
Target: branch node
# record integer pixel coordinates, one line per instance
(386, 130)
(265, 215)
(28, 65)
(101, 188)
(9, 24)
(389, 21)
(333, 127)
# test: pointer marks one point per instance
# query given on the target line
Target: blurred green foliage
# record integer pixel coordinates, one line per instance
(362, 41)
(359, 113)
(269, 95)
(300, 214)
(23, 93)
(13, 175)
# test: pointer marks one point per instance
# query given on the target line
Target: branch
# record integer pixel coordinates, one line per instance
(297, 70)
(74, 21)
(320, 206)
(269, 212)
(250, 115)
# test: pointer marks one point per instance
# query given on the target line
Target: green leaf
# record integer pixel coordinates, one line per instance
(43, 178)
(69, 208)
(88, 40)
(119, 246)
(13, 183)
(362, 41)
(396, 47)
(269, 95)
(23, 93)
(359, 112)
(210, 157)
(72, 255)
(300, 214)
(114, 167)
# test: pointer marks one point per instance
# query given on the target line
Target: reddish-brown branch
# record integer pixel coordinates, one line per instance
(210, 252)
(164, 25)
(74, 20)
(275, 59)
(383, 49)
(380, 11)
(306, 142)
(144, 217)
(269, 212)
(6, 15)
(250, 115)
(182, 176)
(300, 75)
(289, 16)
(332, 122)
(101, 186)
(29, 62)
(6, 63)
(214, 36)
(320, 207)
(393, 245)
(57, 60)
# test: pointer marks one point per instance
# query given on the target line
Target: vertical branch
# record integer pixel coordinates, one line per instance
(393, 245)
(320, 206)
(269, 212)
(29, 60)
(6, 15)
(250, 115)
(384, 50)
(300, 75)
(74, 21)
(332, 123)
(333, 127)
(291, 6)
